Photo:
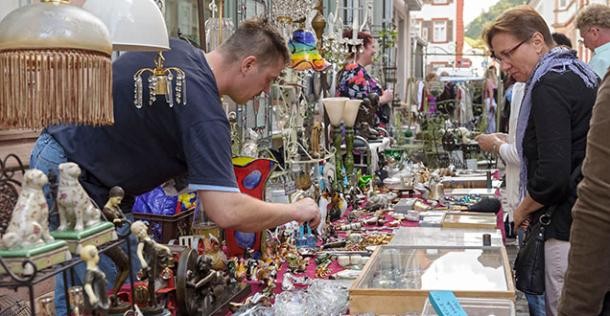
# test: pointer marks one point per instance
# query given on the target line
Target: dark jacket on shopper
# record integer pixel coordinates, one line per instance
(554, 144)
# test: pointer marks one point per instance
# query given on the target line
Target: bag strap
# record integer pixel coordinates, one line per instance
(545, 219)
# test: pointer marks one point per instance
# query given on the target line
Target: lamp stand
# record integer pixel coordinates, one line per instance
(338, 159)
(349, 153)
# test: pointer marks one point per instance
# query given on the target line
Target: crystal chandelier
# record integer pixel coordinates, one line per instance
(289, 11)
(160, 83)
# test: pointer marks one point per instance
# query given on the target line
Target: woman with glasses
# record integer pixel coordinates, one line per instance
(551, 130)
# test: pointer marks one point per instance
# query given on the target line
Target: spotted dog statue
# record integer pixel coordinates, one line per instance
(76, 211)
(29, 223)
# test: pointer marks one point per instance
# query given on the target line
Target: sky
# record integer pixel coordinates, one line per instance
(473, 8)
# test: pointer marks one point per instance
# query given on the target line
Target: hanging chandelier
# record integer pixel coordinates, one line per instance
(289, 11)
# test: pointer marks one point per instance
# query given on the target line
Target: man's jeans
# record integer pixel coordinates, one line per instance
(46, 157)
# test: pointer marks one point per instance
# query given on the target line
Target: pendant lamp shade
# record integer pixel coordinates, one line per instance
(134, 25)
(55, 67)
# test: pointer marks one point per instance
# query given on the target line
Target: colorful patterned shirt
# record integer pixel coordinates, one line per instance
(356, 83)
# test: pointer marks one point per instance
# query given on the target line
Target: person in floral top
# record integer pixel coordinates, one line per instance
(354, 81)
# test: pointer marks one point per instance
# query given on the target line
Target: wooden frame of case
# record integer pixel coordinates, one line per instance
(446, 223)
(400, 301)
(469, 182)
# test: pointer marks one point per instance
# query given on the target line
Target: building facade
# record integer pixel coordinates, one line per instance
(561, 15)
(441, 24)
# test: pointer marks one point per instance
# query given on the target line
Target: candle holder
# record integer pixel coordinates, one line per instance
(76, 296)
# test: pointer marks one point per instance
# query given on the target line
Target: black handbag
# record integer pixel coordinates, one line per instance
(529, 264)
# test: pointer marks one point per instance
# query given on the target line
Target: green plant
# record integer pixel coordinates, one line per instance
(388, 37)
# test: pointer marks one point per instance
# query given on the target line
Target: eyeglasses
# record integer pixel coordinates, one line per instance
(506, 54)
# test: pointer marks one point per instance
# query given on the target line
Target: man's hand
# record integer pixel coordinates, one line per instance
(488, 142)
(307, 211)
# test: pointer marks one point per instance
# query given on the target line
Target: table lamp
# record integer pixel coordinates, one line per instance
(334, 108)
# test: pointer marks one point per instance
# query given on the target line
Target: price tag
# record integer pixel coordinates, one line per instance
(290, 187)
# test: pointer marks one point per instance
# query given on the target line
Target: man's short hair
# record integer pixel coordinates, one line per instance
(256, 37)
(561, 39)
(594, 15)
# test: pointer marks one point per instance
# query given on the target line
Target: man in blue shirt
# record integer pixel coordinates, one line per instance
(148, 146)
(593, 23)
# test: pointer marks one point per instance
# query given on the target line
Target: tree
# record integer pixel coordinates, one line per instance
(475, 28)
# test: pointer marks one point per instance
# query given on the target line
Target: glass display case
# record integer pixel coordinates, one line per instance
(396, 280)
(489, 193)
(478, 307)
(444, 237)
(469, 220)
(469, 182)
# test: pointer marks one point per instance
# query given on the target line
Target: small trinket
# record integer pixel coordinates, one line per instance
(352, 226)
(486, 240)
(371, 220)
(336, 244)
(354, 238)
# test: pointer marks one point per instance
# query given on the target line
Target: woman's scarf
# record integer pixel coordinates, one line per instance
(558, 59)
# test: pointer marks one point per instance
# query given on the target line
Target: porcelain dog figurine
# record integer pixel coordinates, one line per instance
(76, 211)
(29, 223)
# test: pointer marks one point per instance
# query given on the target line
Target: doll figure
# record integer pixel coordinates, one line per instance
(113, 213)
(154, 257)
(314, 140)
(214, 251)
(95, 282)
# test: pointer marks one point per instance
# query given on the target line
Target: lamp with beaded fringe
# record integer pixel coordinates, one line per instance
(55, 67)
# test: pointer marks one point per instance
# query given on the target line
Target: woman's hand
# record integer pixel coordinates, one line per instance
(520, 218)
(489, 142)
(387, 96)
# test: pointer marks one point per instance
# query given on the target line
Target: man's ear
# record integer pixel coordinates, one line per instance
(247, 64)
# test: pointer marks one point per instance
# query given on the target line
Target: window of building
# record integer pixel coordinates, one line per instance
(439, 31)
(417, 31)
